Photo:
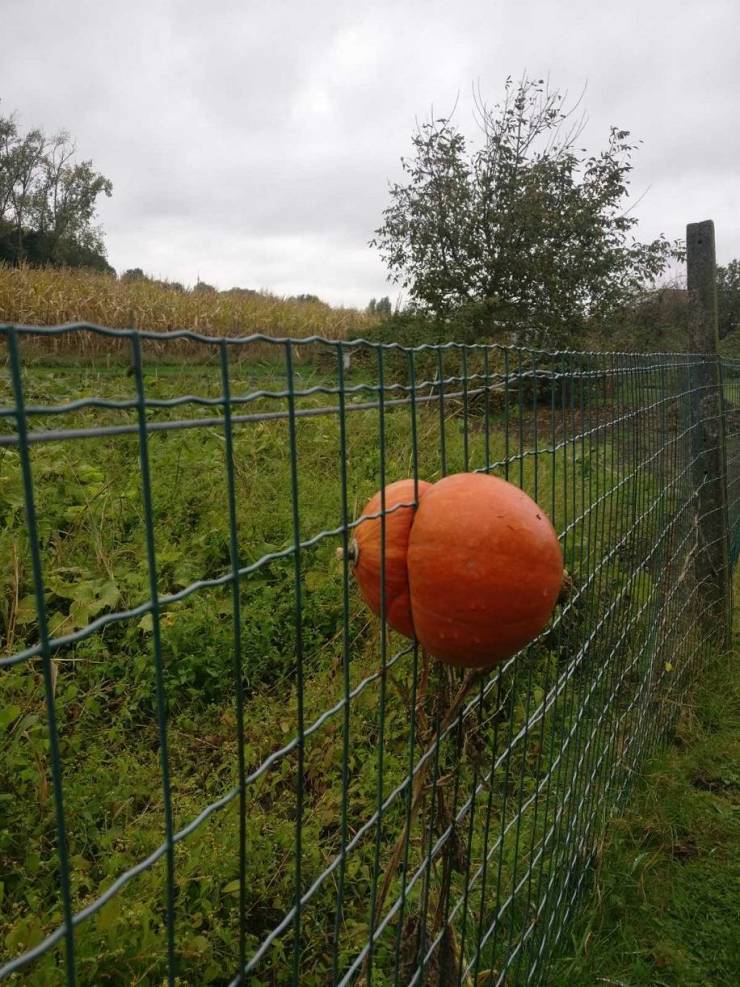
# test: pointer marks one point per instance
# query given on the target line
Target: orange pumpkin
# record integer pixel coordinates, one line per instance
(484, 568)
(366, 552)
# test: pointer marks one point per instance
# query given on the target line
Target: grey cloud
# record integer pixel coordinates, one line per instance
(252, 143)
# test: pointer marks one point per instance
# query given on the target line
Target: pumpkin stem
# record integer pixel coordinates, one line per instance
(566, 588)
(353, 553)
(472, 677)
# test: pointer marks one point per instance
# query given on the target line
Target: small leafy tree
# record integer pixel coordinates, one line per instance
(48, 200)
(21, 184)
(526, 229)
(67, 201)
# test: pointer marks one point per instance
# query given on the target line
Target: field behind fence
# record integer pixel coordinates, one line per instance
(218, 761)
(49, 296)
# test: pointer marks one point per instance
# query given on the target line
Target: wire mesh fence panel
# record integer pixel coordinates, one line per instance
(218, 765)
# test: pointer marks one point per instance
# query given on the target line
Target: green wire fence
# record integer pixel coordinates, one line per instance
(360, 819)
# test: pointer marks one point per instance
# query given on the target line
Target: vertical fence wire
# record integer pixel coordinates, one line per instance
(299, 657)
(425, 848)
(159, 674)
(45, 651)
(345, 660)
(234, 560)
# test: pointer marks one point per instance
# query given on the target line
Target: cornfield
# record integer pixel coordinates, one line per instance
(45, 296)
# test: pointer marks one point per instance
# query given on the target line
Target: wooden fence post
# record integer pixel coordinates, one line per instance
(707, 407)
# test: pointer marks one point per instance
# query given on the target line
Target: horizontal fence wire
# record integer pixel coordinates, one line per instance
(220, 767)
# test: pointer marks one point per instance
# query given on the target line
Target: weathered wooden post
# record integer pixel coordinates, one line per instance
(707, 407)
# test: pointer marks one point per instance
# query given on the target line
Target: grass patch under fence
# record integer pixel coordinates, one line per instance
(663, 907)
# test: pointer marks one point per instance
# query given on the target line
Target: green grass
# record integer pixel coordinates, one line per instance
(92, 540)
(663, 908)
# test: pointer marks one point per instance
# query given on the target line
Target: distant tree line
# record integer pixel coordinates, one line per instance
(136, 274)
(48, 200)
(666, 308)
(380, 306)
(728, 298)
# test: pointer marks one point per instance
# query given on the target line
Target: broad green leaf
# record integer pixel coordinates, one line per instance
(8, 715)
(26, 610)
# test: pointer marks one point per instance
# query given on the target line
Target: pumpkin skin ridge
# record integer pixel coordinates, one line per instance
(367, 535)
(484, 585)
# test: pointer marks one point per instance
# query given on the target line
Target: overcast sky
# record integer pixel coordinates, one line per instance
(251, 143)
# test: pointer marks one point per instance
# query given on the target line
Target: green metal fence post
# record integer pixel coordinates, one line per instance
(707, 408)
